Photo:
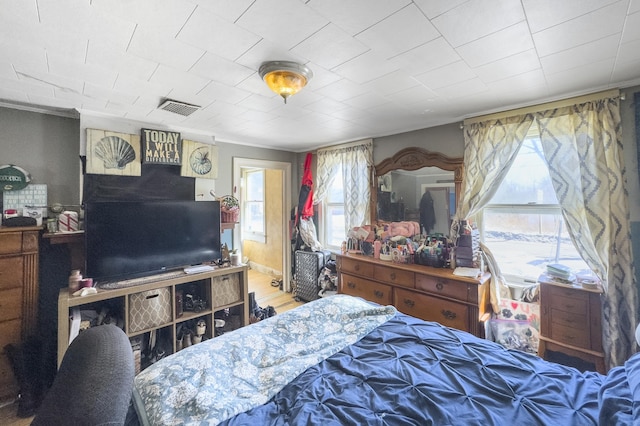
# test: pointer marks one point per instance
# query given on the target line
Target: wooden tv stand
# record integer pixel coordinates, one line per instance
(223, 288)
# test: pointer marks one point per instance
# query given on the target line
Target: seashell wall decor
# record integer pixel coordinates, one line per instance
(200, 160)
(113, 153)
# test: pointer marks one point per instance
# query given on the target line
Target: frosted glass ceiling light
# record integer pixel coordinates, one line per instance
(285, 78)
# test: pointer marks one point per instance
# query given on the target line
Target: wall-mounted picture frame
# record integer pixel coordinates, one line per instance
(113, 153)
(200, 160)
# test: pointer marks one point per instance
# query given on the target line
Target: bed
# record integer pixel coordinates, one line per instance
(341, 360)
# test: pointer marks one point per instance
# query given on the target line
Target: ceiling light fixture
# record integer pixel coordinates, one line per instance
(284, 77)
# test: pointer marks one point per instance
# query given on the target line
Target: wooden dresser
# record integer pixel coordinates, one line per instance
(433, 294)
(571, 323)
(19, 248)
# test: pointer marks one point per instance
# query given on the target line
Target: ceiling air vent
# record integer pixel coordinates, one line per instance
(179, 107)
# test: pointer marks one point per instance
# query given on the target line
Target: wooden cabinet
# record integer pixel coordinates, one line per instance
(571, 323)
(433, 294)
(19, 249)
(223, 288)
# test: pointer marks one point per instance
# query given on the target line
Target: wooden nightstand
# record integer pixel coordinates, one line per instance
(571, 323)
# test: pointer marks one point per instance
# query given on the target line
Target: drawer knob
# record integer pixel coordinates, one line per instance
(449, 315)
(378, 294)
(439, 286)
(393, 276)
(351, 284)
(357, 267)
(410, 303)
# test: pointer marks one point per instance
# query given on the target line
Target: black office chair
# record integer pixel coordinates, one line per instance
(94, 383)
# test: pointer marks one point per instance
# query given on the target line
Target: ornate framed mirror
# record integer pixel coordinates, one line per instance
(399, 184)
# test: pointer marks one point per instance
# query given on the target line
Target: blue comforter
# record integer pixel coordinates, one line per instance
(412, 372)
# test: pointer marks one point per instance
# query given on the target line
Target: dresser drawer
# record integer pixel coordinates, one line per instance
(10, 242)
(568, 319)
(573, 336)
(356, 286)
(445, 287)
(11, 271)
(10, 304)
(568, 299)
(431, 308)
(393, 276)
(357, 267)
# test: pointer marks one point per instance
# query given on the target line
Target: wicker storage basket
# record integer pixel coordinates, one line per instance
(229, 209)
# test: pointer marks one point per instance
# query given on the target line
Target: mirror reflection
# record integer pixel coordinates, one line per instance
(426, 196)
(417, 185)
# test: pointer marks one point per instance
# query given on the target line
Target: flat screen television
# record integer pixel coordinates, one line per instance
(132, 239)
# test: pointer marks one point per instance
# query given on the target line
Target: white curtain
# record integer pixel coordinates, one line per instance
(353, 161)
(583, 149)
(490, 148)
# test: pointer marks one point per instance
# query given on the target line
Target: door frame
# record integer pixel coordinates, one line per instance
(241, 163)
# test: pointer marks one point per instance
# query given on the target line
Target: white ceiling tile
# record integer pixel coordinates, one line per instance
(521, 88)
(27, 86)
(63, 66)
(266, 50)
(341, 90)
(501, 44)
(209, 32)
(634, 6)
(261, 104)
(507, 67)
(330, 47)
(434, 54)
(367, 101)
(391, 83)
(321, 77)
(91, 90)
(109, 56)
(87, 22)
(631, 28)
(629, 52)
(354, 16)
(178, 81)
(159, 47)
(448, 75)
(325, 104)
(581, 56)
(419, 98)
(573, 80)
(165, 16)
(474, 19)
(221, 70)
(25, 57)
(53, 81)
(216, 90)
(400, 32)
(365, 68)
(462, 89)
(627, 72)
(433, 8)
(229, 10)
(584, 29)
(292, 23)
(542, 14)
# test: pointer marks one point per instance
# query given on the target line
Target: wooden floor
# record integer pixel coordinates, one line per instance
(266, 295)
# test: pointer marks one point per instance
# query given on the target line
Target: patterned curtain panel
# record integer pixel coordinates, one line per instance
(583, 148)
(490, 148)
(353, 161)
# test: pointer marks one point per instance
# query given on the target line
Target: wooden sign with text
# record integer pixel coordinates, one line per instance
(161, 147)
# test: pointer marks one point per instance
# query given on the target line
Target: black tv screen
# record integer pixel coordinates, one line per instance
(131, 239)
